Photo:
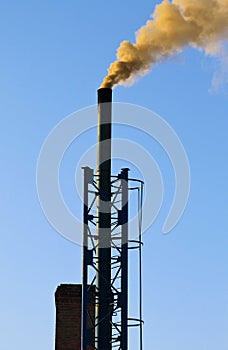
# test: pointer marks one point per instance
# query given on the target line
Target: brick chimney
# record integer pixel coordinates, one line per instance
(68, 301)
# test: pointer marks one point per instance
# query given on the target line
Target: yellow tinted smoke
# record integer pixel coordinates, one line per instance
(174, 25)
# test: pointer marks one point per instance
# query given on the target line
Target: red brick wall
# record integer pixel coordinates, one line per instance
(68, 300)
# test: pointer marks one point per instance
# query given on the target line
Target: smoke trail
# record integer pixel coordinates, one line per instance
(202, 24)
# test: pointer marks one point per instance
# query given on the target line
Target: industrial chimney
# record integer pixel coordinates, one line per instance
(106, 244)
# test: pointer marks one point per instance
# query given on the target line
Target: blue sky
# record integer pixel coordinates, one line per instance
(53, 57)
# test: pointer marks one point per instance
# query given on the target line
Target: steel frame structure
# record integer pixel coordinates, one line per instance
(120, 246)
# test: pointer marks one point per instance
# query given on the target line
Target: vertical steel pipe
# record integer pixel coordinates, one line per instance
(124, 262)
(84, 263)
(103, 286)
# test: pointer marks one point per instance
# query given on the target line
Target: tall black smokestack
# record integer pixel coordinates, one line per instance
(104, 130)
(104, 295)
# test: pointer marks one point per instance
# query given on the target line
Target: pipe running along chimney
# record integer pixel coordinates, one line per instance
(104, 300)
